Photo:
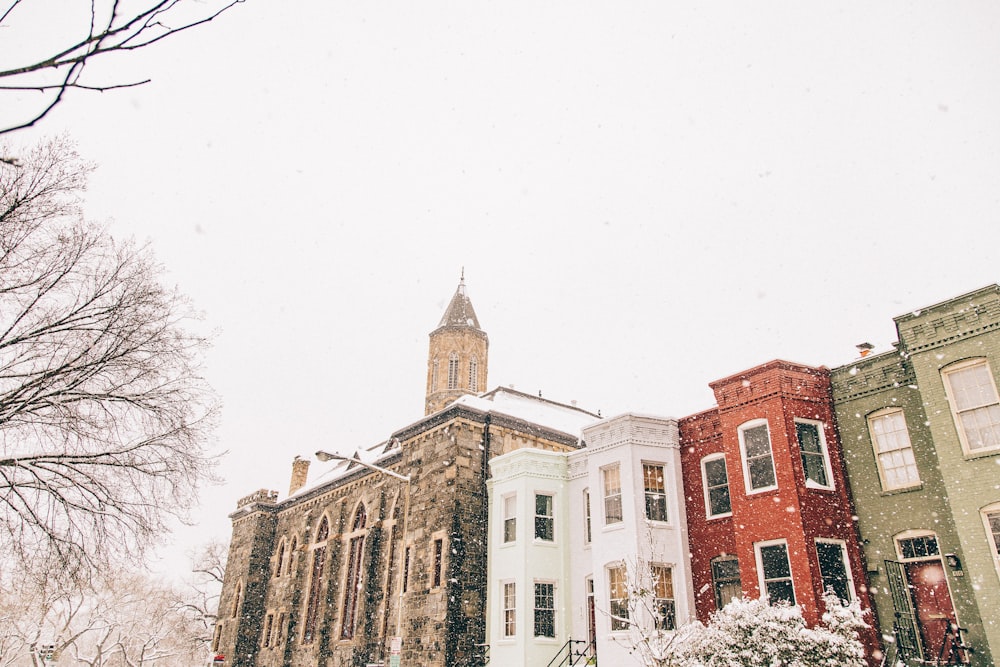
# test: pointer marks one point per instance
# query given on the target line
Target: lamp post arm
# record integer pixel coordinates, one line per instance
(328, 456)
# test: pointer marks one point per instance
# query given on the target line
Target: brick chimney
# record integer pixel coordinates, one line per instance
(300, 471)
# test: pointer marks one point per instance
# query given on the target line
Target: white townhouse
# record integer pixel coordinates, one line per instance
(569, 530)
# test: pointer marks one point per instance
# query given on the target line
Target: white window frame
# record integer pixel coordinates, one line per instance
(551, 518)
(554, 609)
(588, 523)
(646, 493)
(706, 489)
(746, 426)
(911, 534)
(606, 496)
(659, 623)
(626, 617)
(508, 514)
(951, 370)
(508, 614)
(991, 537)
(824, 451)
(847, 564)
(885, 414)
(761, 578)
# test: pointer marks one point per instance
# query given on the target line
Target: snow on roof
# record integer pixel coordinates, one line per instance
(547, 414)
(535, 409)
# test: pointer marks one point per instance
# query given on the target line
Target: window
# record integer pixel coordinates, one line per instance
(716, 481)
(352, 584)
(545, 610)
(897, 468)
(279, 630)
(656, 496)
(757, 462)
(663, 597)
(436, 576)
(473, 373)
(973, 397)
(618, 596)
(833, 568)
(453, 371)
(316, 581)
(991, 518)
(775, 572)
(917, 547)
(291, 555)
(434, 375)
(812, 446)
(406, 569)
(726, 580)
(612, 494)
(586, 516)
(217, 638)
(235, 610)
(268, 626)
(510, 518)
(280, 559)
(509, 609)
(544, 521)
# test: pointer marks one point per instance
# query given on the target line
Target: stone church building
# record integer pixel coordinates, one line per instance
(385, 562)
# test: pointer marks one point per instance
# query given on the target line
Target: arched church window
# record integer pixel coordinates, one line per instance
(352, 587)
(316, 582)
(453, 371)
(434, 375)
(473, 374)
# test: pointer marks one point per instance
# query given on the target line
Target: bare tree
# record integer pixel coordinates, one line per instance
(105, 27)
(103, 414)
(200, 599)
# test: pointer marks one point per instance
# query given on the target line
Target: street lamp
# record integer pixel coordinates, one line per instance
(394, 660)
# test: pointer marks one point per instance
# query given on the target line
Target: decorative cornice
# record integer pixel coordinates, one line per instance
(953, 320)
(870, 376)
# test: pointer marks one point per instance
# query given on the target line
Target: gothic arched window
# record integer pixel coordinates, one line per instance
(280, 559)
(453, 371)
(474, 374)
(319, 560)
(352, 587)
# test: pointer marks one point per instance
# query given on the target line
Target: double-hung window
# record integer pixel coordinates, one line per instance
(618, 596)
(726, 580)
(509, 518)
(509, 609)
(897, 469)
(663, 597)
(544, 519)
(973, 396)
(653, 480)
(586, 516)
(833, 568)
(775, 571)
(812, 446)
(545, 609)
(716, 481)
(612, 494)
(758, 462)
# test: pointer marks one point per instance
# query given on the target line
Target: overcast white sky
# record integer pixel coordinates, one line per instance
(646, 196)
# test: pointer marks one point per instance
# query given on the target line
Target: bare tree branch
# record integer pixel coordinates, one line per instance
(109, 31)
(103, 413)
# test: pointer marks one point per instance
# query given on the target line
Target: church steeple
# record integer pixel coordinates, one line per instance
(457, 361)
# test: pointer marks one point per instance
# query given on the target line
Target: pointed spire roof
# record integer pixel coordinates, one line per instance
(460, 312)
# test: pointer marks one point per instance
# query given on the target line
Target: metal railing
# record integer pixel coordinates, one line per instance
(574, 652)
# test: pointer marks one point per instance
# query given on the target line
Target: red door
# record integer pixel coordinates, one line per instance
(932, 600)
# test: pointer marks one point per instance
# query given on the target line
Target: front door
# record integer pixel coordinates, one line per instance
(935, 612)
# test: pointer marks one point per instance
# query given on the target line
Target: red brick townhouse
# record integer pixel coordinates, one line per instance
(768, 507)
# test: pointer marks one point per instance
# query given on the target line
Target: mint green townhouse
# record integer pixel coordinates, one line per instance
(920, 426)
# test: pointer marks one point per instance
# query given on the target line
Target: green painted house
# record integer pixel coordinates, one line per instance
(920, 427)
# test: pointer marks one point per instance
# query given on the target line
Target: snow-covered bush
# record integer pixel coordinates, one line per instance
(752, 633)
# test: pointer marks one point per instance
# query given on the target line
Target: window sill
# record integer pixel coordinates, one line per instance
(980, 453)
(905, 489)
(544, 543)
(715, 517)
(658, 524)
(613, 527)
